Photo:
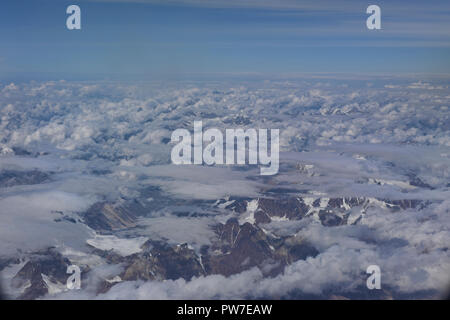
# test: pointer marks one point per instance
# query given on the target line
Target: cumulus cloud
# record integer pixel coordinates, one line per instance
(110, 142)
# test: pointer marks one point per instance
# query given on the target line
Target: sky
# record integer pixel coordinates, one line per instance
(122, 38)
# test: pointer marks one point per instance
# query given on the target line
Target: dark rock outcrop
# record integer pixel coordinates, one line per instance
(45, 268)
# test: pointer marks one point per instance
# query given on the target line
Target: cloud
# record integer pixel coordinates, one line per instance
(202, 182)
(339, 137)
(309, 5)
(123, 247)
(411, 261)
(27, 221)
(265, 4)
(194, 231)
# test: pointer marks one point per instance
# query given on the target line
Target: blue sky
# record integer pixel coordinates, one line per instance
(156, 37)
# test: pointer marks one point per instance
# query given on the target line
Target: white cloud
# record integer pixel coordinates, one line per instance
(105, 142)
